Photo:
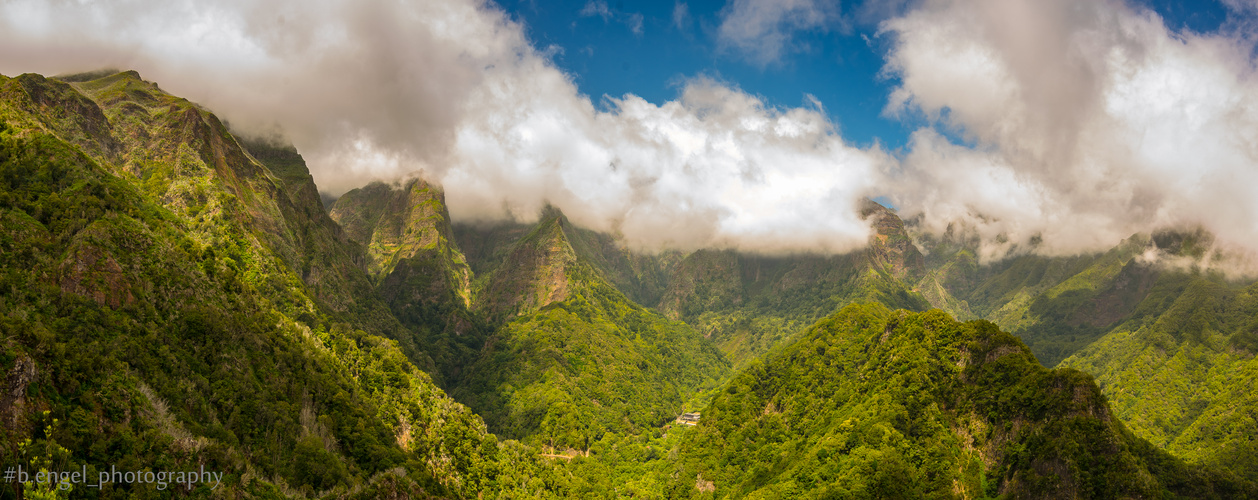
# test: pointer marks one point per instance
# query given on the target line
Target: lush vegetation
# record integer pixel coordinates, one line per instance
(748, 304)
(1181, 371)
(417, 267)
(578, 360)
(1169, 342)
(140, 333)
(871, 403)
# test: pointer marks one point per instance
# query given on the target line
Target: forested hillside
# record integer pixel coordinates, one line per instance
(874, 403)
(574, 358)
(155, 314)
(1181, 371)
(750, 303)
(1167, 337)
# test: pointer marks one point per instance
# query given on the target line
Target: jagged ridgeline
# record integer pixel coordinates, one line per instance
(538, 340)
(169, 302)
(874, 403)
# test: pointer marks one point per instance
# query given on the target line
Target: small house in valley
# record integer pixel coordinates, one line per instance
(688, 418)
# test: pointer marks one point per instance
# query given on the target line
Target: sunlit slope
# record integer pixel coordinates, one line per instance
(184, 158)
(874, 403)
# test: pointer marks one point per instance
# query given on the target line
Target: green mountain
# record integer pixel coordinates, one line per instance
(575, 359)
(1181, 371)
(641, 277)
(1057, 305)
(748, 303)
(874, 403)
(159, 313)
(1166, 345)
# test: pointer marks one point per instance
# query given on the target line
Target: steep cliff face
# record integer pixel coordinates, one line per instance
(540, 270)
(397, 223)
(416, 265)
(408, 236)
(890, 247)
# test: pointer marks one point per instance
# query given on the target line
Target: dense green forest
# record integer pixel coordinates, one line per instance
(579, 359)
(176, 296)
(874, 403)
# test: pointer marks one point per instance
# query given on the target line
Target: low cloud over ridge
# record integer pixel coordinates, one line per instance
(1090, 121)
(379, 89)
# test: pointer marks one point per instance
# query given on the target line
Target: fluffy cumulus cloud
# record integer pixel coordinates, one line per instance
(377, 89)
(1083, 122)
(1060, 126)
(715, 166)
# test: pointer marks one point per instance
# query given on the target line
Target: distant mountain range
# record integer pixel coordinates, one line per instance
(175, 295)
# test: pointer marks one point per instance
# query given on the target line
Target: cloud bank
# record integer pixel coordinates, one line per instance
(378, 89)
(1060, 127)
(1086, 121)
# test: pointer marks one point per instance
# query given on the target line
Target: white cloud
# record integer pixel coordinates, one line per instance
(715, 167)
(1087, 121)
(634, 22)
(1091, 121)
(764, 30)
(379, 89)
(1242, 5)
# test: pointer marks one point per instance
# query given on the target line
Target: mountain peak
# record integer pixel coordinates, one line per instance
(890, 246)
(537, 272)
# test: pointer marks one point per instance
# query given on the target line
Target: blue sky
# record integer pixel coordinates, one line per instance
(615, 48)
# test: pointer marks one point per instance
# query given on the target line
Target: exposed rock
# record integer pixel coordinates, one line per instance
(13, 399)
